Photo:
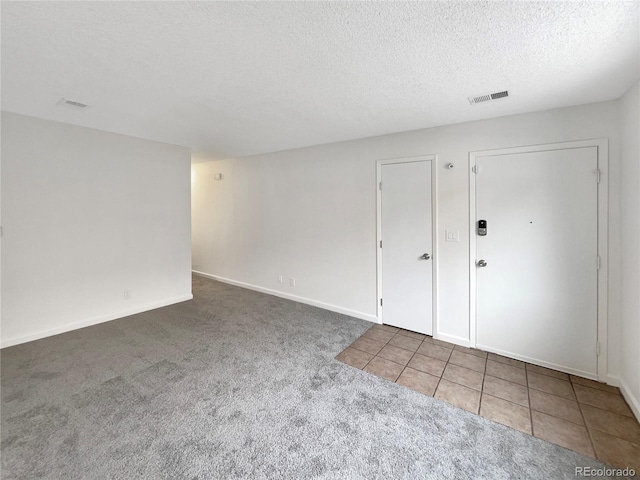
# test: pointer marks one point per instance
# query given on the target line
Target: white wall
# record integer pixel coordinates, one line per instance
(87, 215)
(630, 244)
(310, 213)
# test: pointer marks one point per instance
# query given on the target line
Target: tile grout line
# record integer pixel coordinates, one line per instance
(577, 402)
(404, 367)
(607, 411)
(396, 333)
(484, 376)
(589, 428)
(363, 351)
(407, 365)
(401, 348)
(586, 426)
(526, 376)
(365, 366)
(441, 376)
(513, 383)
(413, 355)
(446, 363)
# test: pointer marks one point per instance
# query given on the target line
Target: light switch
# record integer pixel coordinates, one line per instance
(452, 235)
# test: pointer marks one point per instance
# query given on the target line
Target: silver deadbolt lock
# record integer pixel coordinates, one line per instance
(481, 263)
(425, 256)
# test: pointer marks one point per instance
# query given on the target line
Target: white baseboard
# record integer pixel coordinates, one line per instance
(463, 342)
(93, 321)
(295, 298)
(631, 399)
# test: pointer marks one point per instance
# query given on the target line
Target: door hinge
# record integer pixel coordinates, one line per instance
(475, 169)
(597, 349)
(380, 243)
(598, 262)
(597, 176)
(380, 302)
(380, 186)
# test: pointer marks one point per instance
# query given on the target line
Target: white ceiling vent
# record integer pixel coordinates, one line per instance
(487, 97)
(72, 103)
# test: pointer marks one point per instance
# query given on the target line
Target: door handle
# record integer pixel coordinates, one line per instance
(481, 263)
(425, 256)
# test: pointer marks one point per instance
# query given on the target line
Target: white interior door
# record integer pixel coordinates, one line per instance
(536, 298)
(406, 233)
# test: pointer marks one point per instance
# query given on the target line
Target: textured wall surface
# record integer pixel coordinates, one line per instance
(630, 241)
(87, 215)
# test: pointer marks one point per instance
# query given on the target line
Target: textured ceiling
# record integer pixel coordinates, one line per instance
(240, 78)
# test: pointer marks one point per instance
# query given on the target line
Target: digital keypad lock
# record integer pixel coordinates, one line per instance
(482, 227)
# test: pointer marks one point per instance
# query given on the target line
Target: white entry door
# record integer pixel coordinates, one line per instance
(536, 267)
(406, 245)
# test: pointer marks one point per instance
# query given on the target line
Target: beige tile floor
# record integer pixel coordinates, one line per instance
(585, 416)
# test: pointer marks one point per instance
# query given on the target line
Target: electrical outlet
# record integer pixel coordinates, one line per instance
(280, 279)
(292, 282)
(127, 294)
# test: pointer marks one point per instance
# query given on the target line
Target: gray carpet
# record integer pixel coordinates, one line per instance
(237, 384)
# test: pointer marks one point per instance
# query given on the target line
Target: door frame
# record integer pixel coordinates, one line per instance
(602, 145)
(434, 233)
